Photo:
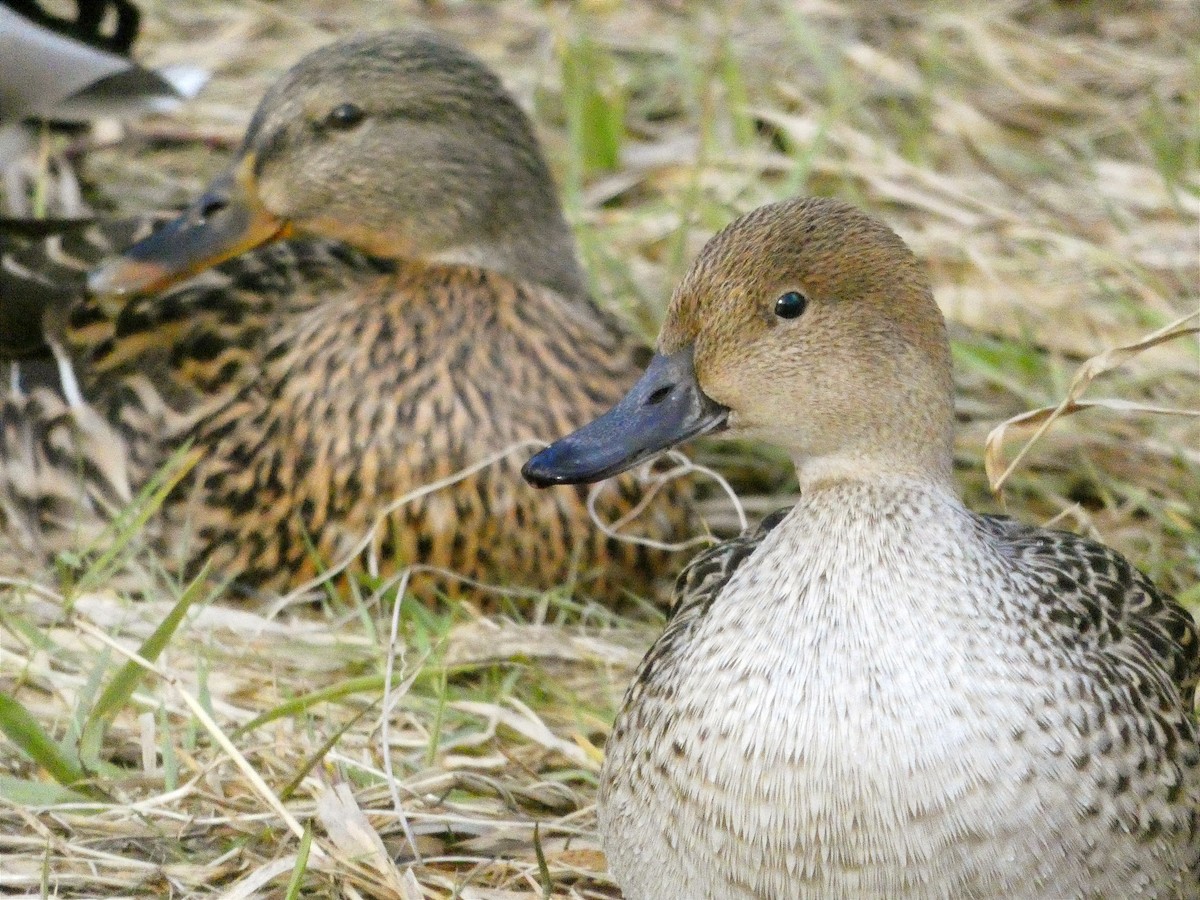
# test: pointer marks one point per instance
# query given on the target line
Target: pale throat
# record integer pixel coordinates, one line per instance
(925, 463)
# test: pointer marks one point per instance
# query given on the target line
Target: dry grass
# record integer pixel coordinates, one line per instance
(1044, 158)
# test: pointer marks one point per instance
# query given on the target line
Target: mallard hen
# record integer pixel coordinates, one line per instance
(426, 313)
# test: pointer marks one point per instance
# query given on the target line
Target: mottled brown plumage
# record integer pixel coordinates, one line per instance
(431, 315)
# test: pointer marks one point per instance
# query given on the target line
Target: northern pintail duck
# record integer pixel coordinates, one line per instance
(878, 693)
(439, 318)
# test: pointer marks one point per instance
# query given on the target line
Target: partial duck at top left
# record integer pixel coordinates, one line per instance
(72, 70)
(390, 294)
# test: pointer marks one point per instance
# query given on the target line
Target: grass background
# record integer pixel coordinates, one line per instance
(1042, 158)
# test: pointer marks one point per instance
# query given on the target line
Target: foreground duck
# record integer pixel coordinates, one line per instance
(437, 318)
(878, 693)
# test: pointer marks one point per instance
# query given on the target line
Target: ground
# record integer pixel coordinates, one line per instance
(1042, 158)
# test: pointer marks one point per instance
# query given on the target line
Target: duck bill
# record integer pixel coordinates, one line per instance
(666, 407)
(226, 220)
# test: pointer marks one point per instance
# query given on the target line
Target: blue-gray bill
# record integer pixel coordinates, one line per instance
(665, 408)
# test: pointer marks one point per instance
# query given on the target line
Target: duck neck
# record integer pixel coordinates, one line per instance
(928, 466)
(886, 416)
(532, 245)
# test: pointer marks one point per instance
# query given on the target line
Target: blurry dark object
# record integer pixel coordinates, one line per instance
(73, 71)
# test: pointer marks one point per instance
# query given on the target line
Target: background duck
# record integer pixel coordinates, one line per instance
(73, 69)
(879, 693)
(318, 379)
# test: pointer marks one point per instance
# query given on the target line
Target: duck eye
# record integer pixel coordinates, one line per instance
(345, 116)
(790, 305)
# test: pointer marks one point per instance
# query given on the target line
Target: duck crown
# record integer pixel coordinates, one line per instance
(407, 146)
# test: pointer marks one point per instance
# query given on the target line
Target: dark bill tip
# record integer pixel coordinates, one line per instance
(226, 220)
(666, 407)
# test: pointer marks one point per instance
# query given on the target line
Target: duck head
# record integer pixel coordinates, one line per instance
(398, 143)
(806, 324)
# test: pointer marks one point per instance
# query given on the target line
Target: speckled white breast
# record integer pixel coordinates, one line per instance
(858, 714)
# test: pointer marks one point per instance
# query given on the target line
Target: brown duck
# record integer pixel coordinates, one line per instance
(426, 313)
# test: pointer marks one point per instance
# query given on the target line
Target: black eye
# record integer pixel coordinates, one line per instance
(345, 116)
(790, 305)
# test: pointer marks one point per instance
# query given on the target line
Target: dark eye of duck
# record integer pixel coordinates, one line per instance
(345, 116)
(790, 305)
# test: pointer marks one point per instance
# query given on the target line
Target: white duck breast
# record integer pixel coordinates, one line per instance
(844, 720)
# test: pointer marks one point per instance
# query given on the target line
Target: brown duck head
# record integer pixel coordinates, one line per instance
(806, 324)
(398, 143)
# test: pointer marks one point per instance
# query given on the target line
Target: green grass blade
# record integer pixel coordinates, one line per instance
(85, 698)
(24, 731)
(23, 792)
(307, 765)
(170, 761)
(296, 882)
(365, 684)
(127, 678)
(595, 107)
(543, 868)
